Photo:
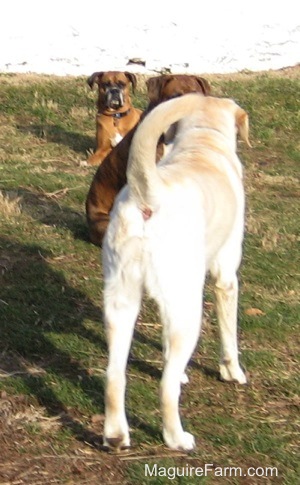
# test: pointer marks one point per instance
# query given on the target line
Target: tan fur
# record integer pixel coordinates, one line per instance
(142, 177)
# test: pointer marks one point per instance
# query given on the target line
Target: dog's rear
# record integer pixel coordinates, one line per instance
(186, 213)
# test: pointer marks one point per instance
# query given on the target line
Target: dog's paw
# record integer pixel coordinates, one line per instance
(188, 442)
(231, 373)
(184, 379)
(117, 443)
(185, 441)
(83, 163)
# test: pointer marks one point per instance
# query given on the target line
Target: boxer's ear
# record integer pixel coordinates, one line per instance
(92, 79)
(132, 78)
(151, 85)
(204, 84)
(154, 86)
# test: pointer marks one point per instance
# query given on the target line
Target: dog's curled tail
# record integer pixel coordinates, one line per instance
(142, 174)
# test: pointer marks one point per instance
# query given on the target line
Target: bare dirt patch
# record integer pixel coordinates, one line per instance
(30, 453)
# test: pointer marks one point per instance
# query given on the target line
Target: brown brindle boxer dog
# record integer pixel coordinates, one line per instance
(110, 176)
(116, 115)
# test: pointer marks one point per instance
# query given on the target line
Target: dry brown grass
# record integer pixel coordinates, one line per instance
(10, 205)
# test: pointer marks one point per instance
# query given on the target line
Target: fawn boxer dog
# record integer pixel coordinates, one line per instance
(116, 115)
(173, 222)
(110, 176)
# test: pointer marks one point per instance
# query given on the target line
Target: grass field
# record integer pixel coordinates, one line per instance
(52, 345)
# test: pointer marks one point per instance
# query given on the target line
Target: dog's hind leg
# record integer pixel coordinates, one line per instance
(226, 292)
(122, 298)
(184, 378)
(181, 314)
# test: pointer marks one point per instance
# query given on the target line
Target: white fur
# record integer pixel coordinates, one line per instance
(170, 225)
(116, 139)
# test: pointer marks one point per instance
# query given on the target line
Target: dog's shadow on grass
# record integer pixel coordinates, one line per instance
(42, 317)
(51, 133)
(49, 210)
(40, 312)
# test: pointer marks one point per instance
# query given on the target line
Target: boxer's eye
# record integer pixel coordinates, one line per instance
(121, 84)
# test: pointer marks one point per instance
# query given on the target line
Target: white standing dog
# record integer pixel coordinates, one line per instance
(171, 224)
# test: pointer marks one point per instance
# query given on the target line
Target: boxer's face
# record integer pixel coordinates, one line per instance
(113, 87)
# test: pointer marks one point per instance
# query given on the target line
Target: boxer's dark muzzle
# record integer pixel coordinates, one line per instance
(114, 98)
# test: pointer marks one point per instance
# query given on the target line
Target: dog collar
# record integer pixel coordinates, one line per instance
(117, 115)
